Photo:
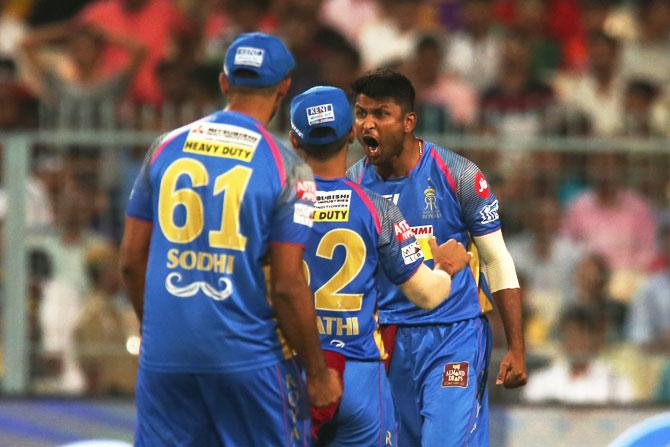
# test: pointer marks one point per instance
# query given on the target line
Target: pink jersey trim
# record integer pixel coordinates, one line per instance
(168, 139)
(279, 162)
(368, 203)
(444, 168)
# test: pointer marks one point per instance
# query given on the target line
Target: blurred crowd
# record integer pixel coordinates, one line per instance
(589, 229)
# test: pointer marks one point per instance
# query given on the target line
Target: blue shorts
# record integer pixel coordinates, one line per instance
(266, 406)
(438, 376)
(366, 416)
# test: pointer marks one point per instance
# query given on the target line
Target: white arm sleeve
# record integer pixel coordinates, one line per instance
(496, 261)
(427, 288)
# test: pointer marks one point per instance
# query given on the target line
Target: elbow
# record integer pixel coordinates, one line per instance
(130, 265)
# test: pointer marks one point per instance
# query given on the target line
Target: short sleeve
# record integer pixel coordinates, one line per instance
(293, 215)
(399, 252)
(478, 202)
(140, 203)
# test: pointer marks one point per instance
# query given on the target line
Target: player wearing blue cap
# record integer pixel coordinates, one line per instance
(213, 200)
(440, 359)
(355, 234)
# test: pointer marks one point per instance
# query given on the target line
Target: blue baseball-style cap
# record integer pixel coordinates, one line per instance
(262, 54)
(321, 107)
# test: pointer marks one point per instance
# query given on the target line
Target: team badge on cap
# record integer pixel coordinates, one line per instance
(249, 56)
(320, 114)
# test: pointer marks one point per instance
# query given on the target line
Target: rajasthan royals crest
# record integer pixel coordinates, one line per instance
(431, 210)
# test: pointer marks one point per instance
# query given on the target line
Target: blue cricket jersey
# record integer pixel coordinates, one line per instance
(447, 197)
(356, 234)
(217, 191)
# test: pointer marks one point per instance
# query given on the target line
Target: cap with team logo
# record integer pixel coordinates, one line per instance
(257, 60)
(317, 108)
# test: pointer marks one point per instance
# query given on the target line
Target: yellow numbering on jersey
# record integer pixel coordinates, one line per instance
(328, 296)
(232, 184)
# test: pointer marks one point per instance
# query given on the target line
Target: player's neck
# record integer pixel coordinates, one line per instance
(333, 168)
(258, 107)
(401, 165)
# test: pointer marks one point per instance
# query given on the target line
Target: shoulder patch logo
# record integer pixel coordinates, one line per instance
(455, 374)
(306, 190)
(402, 231)
(482, 186)
(489, 213)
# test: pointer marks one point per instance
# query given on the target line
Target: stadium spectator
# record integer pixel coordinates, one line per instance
(390, 38)
(444, 102)
(39, 273)
(19, 107)
(579, 375)
(59, 302)
(516, 103)
(311, 42)
(103, 326)
(12, 28)
(545, 52)
(349, 16)
(222, 21)
(614, 221)
(638, 104)
(590, 281)
(546, 260)
(649, 318)
(81, 95)
(473, 52)
(648, 56)
(158, 24)
(66, 244)
(341, 64)
(598, 93)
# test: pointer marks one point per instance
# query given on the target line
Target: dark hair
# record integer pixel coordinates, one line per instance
(603, 37)
(323, 152)
(39, 264)
(428, 42)
(642, 87)
(580, 316)
(385, 83)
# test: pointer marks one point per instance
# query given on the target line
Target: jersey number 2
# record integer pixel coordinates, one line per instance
(233, 183)
(328, 296)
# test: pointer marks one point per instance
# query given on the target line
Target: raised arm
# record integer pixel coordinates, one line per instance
(39, 38)
(135, 48)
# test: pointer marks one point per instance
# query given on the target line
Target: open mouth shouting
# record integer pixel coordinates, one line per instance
(371, 146)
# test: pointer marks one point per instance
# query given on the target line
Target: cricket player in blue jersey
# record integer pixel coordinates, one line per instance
(356, 233)
(213, 199)
(440, 357)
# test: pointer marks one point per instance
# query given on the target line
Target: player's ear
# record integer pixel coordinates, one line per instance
(224, 84)
(296, 146)
(283, 87)
(410, 122)
(351, 136)
(294, 140)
